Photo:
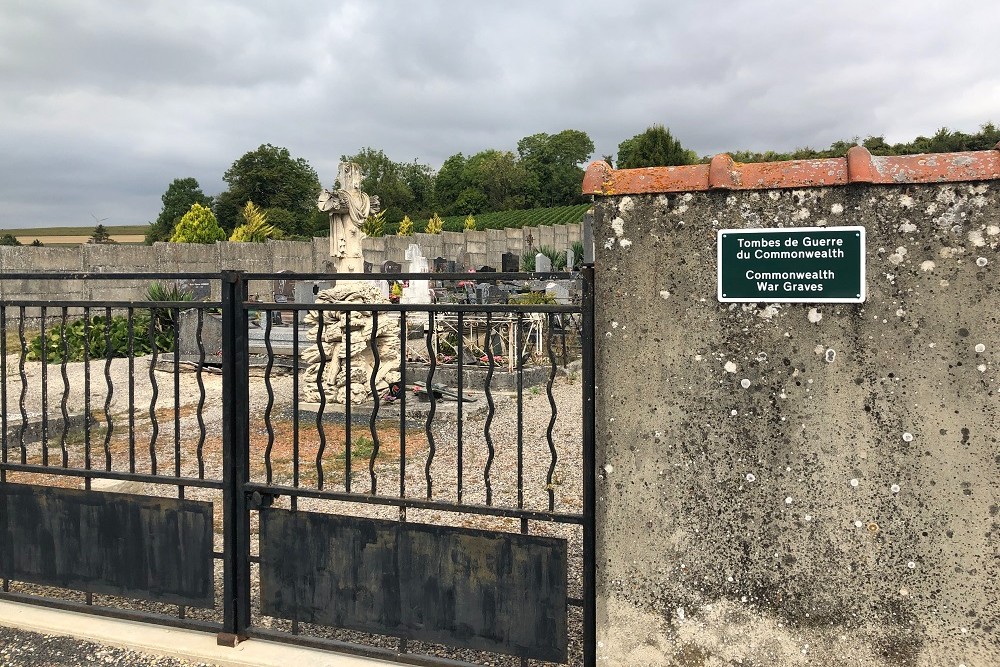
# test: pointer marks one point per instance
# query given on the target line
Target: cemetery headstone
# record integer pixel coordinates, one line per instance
(542, 263)
(510, 262)
(390, 266)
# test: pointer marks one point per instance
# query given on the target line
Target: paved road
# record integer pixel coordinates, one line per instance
(19, 648)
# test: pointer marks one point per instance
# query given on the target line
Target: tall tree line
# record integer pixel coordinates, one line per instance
(545, 170)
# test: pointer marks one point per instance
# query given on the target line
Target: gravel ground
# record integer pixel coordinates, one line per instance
(19, 648)
(444, 469)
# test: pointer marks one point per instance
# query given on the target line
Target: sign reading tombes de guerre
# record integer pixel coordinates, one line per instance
(792, 265)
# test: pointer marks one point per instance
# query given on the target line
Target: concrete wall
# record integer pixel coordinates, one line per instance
(479, 248)
(793, 484)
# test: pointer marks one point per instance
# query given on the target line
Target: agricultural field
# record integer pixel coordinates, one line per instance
(70, 236)
(531, 217)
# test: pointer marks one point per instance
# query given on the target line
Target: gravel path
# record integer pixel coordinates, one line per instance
(19, 648)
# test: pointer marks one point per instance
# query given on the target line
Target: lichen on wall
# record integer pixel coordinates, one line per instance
(792, 484)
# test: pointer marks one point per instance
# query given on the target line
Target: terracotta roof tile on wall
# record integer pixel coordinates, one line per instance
(859, 166)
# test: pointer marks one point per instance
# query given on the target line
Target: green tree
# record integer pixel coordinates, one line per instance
(271, 178)
(100, 235)
(400, 186)
(553, 163)
(655, 147)
(405, 227)
(449, 183)
(502, 179)
(255, 227)
(177, 200)
(198, 226)
(9, 239)
(36, 243)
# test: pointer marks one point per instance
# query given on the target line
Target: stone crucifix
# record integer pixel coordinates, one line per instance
(348, 208)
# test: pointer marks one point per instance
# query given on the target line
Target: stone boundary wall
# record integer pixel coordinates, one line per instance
(788, 484)
(483, 248)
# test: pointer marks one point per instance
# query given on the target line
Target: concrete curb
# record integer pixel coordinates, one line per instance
(173, 642)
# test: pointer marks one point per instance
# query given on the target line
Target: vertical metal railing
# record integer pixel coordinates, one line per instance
(235, 453)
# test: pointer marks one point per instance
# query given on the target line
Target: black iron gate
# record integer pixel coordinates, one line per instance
(444, 515)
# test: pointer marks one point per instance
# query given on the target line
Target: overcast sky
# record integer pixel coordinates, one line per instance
(104, 102)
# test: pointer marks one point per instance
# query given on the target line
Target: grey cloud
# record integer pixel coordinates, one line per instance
(107, 102)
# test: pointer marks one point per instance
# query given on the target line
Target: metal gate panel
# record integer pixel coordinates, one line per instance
(501, 592)
(119, 544)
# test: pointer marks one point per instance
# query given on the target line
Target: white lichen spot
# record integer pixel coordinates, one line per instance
(664, 294)
(907, 227)
(687, 196)
(993, 230)
(898, 256)
(625, 243)
(894, 488)
(626, 204)
(745, 383)
(837, 209)
(906, 201)
(774, 195)
(927, 266)
(609, 244)
(854, 482)
(751, 477)
(819, 349)
(949, 252)
(788, 500)
(698, 357)
(614, 325)
(680, 210)
(931, 209)
(680, 613)
(808, 517)
(734, 412)
(900, 312)
(858, 524)
(831, 355)
(618, 225)
(768, 312)
(981, 262)
(803, 214)
(815, 316)
(980, 348)
(911, 565)
(981, 368)
(976, 238)
(944, 282)
(907, 437)
(731, 200)
(608, 469)
(730, 367)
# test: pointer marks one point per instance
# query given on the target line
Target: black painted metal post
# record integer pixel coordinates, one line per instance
(235, 453)
(589, 472)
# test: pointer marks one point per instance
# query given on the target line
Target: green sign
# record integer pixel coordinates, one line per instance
(792, 265)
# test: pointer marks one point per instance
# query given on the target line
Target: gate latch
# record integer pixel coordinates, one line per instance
(259, 500)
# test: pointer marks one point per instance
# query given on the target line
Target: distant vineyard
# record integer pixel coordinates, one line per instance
(532, 217)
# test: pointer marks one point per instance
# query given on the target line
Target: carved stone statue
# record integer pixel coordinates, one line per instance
(348, 208)
(330, 357)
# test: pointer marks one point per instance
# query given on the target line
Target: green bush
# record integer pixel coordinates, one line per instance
(101, 332)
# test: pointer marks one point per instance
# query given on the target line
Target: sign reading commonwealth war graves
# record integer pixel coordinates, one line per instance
(792, 265)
